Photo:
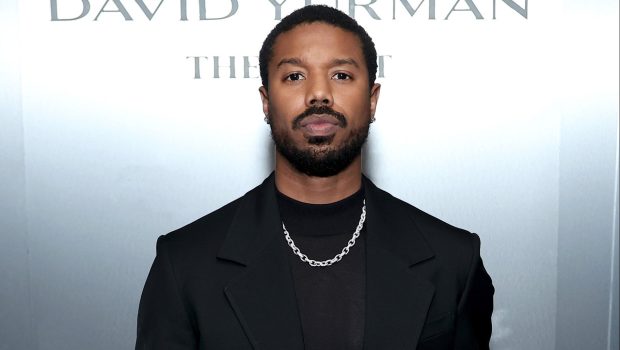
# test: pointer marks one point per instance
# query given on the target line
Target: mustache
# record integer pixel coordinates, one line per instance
(342, 120)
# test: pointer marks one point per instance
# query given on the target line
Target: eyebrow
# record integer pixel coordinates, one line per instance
(344, 61)
(335, 62)
(293, 61)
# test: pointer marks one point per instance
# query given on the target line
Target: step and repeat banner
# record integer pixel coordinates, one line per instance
(139, 116)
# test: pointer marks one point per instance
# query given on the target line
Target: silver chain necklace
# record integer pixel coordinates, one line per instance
(336, 258)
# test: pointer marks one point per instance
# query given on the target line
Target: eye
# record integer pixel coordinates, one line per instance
(341, 76)
(294, 77)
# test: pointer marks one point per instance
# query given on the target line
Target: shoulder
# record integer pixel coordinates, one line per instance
(207, 227)
(198, 240)
(442, 234)
(202, 238)
(443, 238)
(454, 253)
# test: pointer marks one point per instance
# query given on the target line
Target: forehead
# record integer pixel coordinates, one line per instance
(317, 41)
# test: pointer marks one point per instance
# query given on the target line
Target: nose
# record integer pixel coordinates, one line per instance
(319, 93)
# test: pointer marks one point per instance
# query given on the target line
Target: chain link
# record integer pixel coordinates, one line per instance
(336, 258)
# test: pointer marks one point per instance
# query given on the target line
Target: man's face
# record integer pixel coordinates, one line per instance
(319, 103)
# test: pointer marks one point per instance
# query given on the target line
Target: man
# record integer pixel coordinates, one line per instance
(317, 257)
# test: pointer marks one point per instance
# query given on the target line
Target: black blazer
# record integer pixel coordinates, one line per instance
(224, 281)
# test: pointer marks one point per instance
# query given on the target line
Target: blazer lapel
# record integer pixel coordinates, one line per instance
(263, 298)
(397, 298)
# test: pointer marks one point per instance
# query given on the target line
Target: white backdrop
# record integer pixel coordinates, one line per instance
(116, 128)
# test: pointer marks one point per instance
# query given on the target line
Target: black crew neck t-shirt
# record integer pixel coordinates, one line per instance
(331, 299)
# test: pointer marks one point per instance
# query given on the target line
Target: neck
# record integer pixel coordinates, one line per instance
(317, 190)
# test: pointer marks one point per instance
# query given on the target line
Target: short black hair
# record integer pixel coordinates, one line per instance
(318, 13)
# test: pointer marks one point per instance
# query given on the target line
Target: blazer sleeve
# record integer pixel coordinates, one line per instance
(473, 324)
(163, 320)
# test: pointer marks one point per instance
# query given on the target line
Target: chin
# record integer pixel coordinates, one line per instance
(320, 140)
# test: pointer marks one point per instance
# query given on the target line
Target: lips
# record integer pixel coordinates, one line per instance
(319, 125)
(319, 119)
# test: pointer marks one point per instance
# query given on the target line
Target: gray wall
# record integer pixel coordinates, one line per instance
(588, 223)
(88, 183)
(17, 324)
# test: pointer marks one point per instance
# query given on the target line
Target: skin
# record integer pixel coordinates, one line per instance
(318, 64)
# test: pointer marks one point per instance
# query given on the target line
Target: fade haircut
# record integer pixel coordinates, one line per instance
(318, 13)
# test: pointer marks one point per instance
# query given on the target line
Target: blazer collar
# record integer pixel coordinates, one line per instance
(257, 222)
(391, 227)
(397, 298)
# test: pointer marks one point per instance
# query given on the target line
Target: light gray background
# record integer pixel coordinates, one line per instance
(90, 176)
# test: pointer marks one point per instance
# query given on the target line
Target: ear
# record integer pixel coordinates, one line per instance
(264, 96)
(374, 98)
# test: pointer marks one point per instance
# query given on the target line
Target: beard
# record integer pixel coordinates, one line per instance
(320, 158)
